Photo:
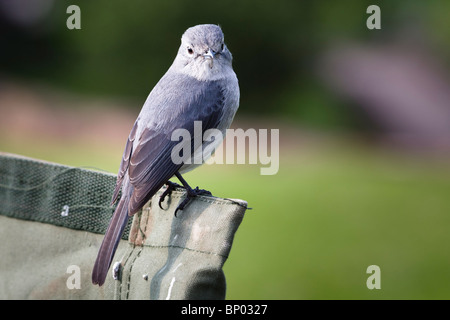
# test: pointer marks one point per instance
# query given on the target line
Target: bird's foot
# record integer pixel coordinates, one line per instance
(191, 194)
(170, 187)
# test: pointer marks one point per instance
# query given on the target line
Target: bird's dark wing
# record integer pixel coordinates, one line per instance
(150, 164)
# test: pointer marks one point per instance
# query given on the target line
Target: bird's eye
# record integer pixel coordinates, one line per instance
(190, 50)
(221, 48)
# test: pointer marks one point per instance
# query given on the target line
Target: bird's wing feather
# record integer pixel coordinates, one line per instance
(125, 162)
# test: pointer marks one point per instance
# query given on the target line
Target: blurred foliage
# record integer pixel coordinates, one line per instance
(124, 47)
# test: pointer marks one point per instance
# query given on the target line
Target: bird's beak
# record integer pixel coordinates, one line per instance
(210, 56)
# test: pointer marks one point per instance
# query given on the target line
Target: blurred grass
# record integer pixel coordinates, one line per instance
(319, 223)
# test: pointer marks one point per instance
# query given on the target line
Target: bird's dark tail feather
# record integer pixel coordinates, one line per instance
(110, 242)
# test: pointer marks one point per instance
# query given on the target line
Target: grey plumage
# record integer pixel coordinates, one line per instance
(199, 86)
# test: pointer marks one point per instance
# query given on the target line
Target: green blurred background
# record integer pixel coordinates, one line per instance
(364, 120)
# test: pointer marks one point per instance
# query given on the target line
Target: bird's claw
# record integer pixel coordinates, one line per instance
(170, 187)
(190, 194)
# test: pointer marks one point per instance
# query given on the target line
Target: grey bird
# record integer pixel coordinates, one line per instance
(200, 85)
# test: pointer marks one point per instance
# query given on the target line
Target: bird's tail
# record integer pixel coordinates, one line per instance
(110, 242)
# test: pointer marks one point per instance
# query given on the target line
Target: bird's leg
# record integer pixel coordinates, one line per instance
(170, 187)
(190, 193)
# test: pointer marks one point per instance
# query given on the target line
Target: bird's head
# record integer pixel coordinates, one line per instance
(203, 53)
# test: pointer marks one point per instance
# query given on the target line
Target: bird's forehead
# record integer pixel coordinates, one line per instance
(206, 34)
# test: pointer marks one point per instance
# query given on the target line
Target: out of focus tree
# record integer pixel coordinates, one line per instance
(124, 47)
